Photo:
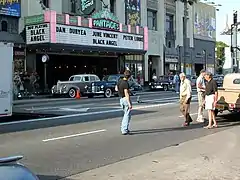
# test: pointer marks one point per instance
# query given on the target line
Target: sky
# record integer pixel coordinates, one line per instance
(227, 8)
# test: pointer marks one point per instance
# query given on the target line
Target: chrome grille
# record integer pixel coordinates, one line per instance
(95, 89)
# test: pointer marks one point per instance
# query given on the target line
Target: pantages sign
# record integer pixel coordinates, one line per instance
(85, 37)
(105, 20)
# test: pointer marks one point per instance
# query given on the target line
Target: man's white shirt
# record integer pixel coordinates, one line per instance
(200, 80)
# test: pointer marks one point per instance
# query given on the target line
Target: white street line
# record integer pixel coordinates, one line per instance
(74, 110)
(74, 135)
(192, 114)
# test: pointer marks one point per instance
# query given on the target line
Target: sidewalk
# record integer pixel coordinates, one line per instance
(213, 157)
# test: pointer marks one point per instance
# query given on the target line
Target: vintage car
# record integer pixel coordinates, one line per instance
(229, 94)
(107, 86)
(162, 83)
(219, 80)
(76, 82)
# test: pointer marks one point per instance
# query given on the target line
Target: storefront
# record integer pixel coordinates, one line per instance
(74, 44)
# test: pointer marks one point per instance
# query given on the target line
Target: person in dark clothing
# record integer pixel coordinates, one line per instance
(211, 98)
(125, 102)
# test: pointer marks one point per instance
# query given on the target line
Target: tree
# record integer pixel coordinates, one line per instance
(220, 56)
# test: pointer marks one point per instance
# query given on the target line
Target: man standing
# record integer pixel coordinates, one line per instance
(211, 100)
(201, 95)
(125, 102)
(185, 98)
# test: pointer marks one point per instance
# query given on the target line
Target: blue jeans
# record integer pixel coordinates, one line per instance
(177, 87)
(127, 115)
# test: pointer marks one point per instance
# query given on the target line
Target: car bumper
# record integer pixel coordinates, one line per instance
(59, 92)
(93, 93)
(156, 87)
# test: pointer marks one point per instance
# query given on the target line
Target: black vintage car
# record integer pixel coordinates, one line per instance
(107, 86)
(162, 83)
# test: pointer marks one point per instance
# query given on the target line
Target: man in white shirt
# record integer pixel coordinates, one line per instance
(201, 95)
(185, 98)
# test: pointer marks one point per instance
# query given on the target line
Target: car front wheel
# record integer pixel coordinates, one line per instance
(108, 93)
(165, 88)
(72, 93)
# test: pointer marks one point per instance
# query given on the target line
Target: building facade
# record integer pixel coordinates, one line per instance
(82, 38)
(10, 13)
(164, 19)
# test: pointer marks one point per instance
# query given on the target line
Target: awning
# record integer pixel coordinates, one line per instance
(13, 38)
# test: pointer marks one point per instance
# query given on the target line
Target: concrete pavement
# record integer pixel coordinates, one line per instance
(63, 146)
(213, 157)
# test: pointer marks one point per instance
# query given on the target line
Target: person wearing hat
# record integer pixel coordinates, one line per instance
(201, 95)
(211, 98)
(125, 102)
(185, 98)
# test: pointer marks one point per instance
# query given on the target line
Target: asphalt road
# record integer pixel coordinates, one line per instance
(73, 143)
(92, 105)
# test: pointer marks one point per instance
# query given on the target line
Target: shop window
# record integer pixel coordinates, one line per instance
(169, 23)
(4, 26)
(152, 19)
(113, 6)
(169, 44)
(73, 6)
(46, 3)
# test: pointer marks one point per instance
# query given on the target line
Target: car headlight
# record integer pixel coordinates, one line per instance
(149, 84)
(86, 87)
(102, 86)
(64, 87)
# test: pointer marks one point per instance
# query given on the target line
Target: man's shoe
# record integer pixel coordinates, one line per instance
(126, 133)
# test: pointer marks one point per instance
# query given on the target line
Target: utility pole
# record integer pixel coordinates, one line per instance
(185, 19)
(234, 44)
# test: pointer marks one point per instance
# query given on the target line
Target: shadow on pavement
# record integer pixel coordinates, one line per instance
(224, 121)
(147, 131)
(38, 124)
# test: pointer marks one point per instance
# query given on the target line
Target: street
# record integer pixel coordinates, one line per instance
(85, 134)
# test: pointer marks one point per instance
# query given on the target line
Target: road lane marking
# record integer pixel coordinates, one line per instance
(192, 114)
(74, 135)
(84, 114)
(74, 110)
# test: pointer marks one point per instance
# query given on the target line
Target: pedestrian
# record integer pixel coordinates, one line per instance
(176, 82)
(200, 83)
(185, 98)
(125, 102)
(211, 93)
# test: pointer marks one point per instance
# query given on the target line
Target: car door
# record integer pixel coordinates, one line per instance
(77, 81)
(86, 82)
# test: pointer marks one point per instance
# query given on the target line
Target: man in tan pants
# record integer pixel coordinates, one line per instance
(185, 98)
(201, 95)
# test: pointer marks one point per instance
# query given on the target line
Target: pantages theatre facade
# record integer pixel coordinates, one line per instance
(75, 45)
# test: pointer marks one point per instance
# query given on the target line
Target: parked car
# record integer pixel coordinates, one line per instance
(162, 83)
(76, 82)
(10, 168)
(193, 80)
(219, 80)
(107, 86)
(229, 94)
